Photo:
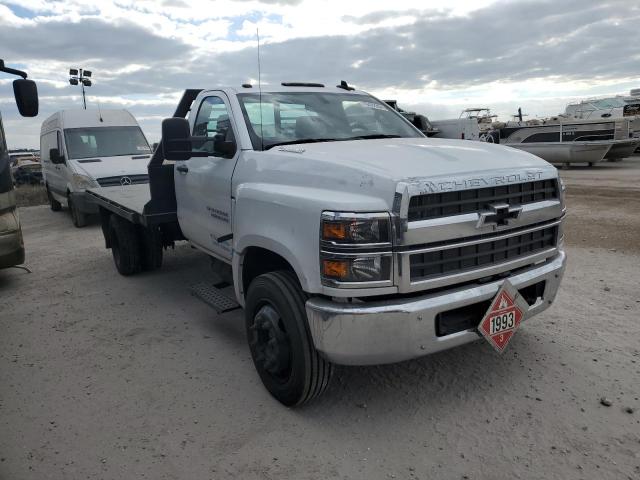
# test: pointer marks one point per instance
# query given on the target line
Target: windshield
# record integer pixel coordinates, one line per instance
(605, 103)
(105, 142)
(303, 117)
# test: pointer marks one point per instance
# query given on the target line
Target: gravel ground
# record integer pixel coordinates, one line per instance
(30, 195)
(109, 377)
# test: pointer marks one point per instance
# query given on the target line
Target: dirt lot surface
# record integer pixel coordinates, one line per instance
(118, 378)
(30, 195)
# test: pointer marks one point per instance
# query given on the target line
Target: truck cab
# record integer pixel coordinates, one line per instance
(11, 243)
(351, 237)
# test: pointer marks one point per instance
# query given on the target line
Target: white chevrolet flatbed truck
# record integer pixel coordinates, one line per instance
(350, 238)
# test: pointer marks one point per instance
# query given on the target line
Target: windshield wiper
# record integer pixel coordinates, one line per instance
(303, 140)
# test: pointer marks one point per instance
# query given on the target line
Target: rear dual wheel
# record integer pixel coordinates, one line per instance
(125, 246)
(134, 248)
(283, 353)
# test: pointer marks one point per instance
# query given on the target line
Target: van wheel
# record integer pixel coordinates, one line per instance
(289, 366)
(78, 218)
(55, 205)
(125, 246)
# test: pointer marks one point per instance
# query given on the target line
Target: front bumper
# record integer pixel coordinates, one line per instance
(401, 329)
(84, 202)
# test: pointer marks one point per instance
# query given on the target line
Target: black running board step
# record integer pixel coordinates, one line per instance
(212, 296)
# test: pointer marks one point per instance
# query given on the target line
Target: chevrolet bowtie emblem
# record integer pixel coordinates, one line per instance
(498, 215)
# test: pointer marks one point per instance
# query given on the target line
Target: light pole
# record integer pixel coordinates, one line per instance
(82, 77)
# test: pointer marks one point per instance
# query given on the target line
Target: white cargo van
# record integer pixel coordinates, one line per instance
(82, 149)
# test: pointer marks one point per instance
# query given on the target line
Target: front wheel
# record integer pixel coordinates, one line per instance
(283, 353)
(55, 205)
(78, 218)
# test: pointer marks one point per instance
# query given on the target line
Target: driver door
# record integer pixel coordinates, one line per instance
(203, 184)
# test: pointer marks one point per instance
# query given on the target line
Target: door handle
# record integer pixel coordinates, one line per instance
(182, 168)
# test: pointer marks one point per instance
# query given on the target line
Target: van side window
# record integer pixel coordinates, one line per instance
(212, 119)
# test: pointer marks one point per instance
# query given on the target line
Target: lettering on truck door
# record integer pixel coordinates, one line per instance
(203, 184)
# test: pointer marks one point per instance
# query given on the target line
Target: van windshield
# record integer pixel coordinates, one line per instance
(304, 117)
(105, 142)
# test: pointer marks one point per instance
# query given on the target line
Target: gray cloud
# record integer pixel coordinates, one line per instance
(275, 2)
(175, 3)
(382, 15)
(119, 44)
(503, 42)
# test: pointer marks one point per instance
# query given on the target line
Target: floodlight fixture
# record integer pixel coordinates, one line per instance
(81, 77)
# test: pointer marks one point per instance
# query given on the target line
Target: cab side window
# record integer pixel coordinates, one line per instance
(213, 121)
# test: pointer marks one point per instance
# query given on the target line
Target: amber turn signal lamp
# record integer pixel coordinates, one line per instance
(334, 231)
(335, 268)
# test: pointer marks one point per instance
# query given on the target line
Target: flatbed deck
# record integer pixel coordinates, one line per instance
(129, 202)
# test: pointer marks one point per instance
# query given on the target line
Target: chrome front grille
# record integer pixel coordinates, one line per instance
(469, 254)
(446, 204)
(112, 181)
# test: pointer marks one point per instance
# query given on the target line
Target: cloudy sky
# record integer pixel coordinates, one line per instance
(435, 57)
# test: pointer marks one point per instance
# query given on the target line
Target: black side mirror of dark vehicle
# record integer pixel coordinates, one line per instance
(222, 147)
(55, 156)
(176, 139)
(26, 93)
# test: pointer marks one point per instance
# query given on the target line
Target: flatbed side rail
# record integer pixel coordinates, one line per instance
(161, 182)
(118, 209)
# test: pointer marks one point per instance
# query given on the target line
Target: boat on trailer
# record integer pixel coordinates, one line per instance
(562, 141)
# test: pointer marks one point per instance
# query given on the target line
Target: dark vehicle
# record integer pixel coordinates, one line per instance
(11, 243)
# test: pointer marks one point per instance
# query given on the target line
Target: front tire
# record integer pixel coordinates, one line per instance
(55, 205)
(78, 218)
(125, 246)
(281, 346)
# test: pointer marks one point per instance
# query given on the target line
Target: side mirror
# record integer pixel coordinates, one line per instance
(26, 93)
(55, 156)
(222, 147)
(176, 139)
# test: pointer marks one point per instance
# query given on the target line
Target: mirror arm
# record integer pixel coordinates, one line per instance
(12, 71)
(191, 139)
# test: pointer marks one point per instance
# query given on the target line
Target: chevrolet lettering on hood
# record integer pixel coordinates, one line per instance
(428, 186)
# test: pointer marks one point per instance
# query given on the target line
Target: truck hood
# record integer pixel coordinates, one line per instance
(100, 167)
(366, 174)
(412, 158)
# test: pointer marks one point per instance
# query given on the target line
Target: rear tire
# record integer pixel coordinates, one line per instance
(281, 346)
(78, 218)
(151, 248)
(125, 246)
(55, 205)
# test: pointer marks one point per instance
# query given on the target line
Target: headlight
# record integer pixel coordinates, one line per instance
(365, 268)
(341, 228)
(563, 188)
(83, 181)
(355, 249)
